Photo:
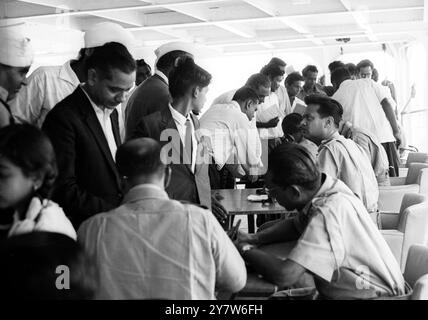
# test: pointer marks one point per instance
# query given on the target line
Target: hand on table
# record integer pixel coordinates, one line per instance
(219, 211)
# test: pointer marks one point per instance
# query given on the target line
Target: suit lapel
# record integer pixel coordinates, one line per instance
(169, 123)
(94, 126)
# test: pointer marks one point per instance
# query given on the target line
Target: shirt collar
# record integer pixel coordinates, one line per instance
(67, 74)
(3, 94)
(335, 135)
(235, 104)
(162, 75)
(144, 191)
(177, 116)
(326, 185)
(95, 106)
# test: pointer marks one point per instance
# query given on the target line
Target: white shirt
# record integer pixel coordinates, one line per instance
(232, 136)
(180, 122)
(343, 159)
(46, 86)
(225, 97)
(268, 110)
(284, 101)
(103, 116)
(361, 102)
(152, 247)
(343, 248)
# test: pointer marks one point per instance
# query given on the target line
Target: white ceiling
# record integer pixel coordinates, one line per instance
(236, 26)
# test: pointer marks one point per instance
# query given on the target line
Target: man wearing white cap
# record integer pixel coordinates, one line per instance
(153, 94)
(16, 56)
(49, 85)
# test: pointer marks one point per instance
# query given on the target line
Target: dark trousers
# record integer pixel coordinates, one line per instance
(393, 158)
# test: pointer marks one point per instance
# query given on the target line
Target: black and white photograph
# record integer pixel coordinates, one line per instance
(213, 158)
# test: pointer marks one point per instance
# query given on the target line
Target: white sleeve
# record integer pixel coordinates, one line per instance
(28, 104)
(247, 143)
(380, 92)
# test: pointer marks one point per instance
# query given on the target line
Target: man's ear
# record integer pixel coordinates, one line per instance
(195, 92)
(329, 122)
(295, 191)
(92, 77)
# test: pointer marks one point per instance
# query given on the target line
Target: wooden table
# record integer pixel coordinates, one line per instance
(236, 203)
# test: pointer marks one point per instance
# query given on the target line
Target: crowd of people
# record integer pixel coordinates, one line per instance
(108, 170)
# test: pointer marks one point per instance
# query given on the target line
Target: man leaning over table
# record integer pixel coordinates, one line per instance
(336, 240)
(154, 247)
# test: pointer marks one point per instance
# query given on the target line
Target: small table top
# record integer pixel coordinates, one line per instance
(236, 203)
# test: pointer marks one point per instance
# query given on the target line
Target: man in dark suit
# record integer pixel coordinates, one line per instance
(176, 128)
(153, 94)
(84, 130)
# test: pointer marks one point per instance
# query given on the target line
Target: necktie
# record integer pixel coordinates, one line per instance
(188, 141)
(114, 118)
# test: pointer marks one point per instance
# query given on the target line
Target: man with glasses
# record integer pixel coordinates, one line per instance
(336, 240)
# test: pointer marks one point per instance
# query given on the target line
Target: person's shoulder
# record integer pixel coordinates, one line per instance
(45, 71)
(193, 207)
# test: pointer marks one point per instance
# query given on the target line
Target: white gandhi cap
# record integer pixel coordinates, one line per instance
(174, 46)
(15, 49)
(105, 32)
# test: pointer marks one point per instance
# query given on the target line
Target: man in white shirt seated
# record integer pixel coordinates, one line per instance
(366, 105)
(152, 247)
(336, 241)
(235, 142)
(339, 157)
(293, 84)
(259, 82)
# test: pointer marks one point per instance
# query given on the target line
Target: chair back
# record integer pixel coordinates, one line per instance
(411, 199)
(416, 157)
(414, 173)
(420, 290)
(416, 264)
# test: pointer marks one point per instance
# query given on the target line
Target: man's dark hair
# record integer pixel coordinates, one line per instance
(140, 156)
(110, 56)
(339, 75)
(272, 71)
(364, 63)
(29, 268)
(328, 107)
(309, 68)
(167, 60)
(335, 65)
(293, 77)
(142, 63)
(246, 93)
(277, 62)
(291, 123)
(186, 75)
(28, 148)
(292, 164)
(352, 68)
(258, 79)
